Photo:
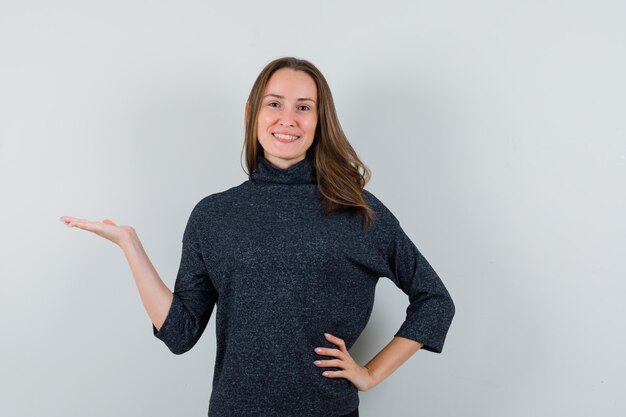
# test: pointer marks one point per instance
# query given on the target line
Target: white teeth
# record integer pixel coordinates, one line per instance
(287, 137)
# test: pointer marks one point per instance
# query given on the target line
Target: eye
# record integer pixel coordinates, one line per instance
(271, 104)
(305, 108)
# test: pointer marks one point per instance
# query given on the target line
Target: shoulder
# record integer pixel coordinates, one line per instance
(219, 201)
(222, 198)
(380, 209)
(385, 224)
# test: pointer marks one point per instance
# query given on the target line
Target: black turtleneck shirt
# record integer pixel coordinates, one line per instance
(282, 273)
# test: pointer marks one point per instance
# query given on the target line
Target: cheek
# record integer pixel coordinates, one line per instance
(264, 120)
(311, 124)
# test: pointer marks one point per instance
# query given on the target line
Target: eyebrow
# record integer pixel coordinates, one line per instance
(278, 96)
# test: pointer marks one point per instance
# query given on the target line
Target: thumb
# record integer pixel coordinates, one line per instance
(109, 221)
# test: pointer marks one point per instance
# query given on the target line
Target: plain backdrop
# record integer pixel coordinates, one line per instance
(494, 131)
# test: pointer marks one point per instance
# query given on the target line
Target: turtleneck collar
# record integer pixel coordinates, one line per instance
(302, 172)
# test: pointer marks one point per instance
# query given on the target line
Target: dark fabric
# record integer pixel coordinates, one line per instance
(355, 413)
(281, 273)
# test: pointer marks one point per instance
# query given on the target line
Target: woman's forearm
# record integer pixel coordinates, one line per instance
(155, 295)
(391, 357)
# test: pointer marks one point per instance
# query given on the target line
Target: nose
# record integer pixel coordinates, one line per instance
(287, 118)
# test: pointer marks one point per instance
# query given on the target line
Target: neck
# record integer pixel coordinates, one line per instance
(300, 172)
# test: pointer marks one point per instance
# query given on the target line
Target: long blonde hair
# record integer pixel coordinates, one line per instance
(339, 177)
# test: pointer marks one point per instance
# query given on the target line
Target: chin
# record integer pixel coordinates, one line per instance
(288, 156)
(285, 154)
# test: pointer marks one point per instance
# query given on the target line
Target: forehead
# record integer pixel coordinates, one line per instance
(290, 83)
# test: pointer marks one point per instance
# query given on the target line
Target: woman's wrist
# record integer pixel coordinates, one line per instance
(129, 240)
(372, 378)
(398, 351)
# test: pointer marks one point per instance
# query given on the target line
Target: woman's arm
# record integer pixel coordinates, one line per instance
(398, 351)
(380, 367)
(155, 295)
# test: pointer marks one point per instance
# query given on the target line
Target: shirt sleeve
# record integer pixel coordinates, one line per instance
(431, 308)
(194, 296)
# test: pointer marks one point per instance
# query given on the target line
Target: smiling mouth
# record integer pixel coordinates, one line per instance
(285, 137)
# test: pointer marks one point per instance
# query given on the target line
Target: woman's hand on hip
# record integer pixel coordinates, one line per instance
(358, 375)
(106, 228)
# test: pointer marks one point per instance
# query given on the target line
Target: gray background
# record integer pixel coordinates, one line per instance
(505, 120)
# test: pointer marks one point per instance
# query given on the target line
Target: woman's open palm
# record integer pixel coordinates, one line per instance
(106, 228)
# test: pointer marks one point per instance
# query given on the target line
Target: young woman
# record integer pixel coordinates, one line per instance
(291, 257)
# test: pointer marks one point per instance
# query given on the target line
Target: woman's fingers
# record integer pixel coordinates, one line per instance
(66, 219)
(89, 225)
(337, 341)
(106, 228)
(329, 362)
(329, 352)
(72, 221)
(84, 223)
(359, 376)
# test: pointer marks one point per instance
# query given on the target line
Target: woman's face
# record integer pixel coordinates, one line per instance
(287, 117)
